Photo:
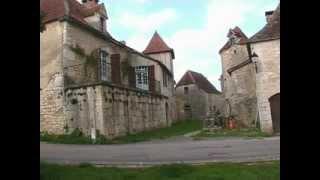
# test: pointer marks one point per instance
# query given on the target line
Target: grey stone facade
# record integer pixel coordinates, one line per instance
(239, 86)
(251, 75)
(197, 101)
(73, 95)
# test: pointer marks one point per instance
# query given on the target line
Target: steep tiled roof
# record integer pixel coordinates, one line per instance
(52, 9)
(91, 11)
(56, 9)
(191, 77)
(238, 32)
(157, 45)
(271, 30)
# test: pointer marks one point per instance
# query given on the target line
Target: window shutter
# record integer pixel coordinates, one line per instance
(152, 82)
(115, 68)
(132, 77)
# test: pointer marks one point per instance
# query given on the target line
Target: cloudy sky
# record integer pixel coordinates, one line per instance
(195, 29)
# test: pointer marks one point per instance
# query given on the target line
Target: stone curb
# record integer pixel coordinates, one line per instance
(150, 164)
(192, 133)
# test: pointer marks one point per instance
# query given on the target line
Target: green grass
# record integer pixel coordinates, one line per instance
(247, 133)
(76, 137)
(218, 171)
(176, 129)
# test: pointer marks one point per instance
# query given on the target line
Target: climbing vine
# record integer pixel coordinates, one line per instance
(89, 60)
(78, 50)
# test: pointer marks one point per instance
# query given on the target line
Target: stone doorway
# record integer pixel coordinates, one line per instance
(187, 111)
(275, 112)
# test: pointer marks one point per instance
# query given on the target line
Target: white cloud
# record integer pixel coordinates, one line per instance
(195, 48)
(142, 23)
(141, 1)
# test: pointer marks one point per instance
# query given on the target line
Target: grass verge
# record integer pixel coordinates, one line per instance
(246, 133)
(217, 171)
(77, 137)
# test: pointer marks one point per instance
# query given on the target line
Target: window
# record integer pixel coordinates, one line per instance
(142, 78)
(165, 79)
(186, 90)
(104, 65)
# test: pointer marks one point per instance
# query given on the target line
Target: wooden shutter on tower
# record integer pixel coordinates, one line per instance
(132, 77)
(115, 69)
(152, 85)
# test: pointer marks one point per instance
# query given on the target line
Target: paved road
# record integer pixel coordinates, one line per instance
(235, 150)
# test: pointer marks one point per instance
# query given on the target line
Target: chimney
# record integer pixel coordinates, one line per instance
(90, 3)
(268, 15)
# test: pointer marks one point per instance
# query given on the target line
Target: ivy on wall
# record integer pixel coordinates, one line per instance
(90, 61)
(125, 66)
(78, 50)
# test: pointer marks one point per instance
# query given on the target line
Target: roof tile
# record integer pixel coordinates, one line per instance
(271, 30)
(56, 9)
(157, 45)
(238, 32)
(191, 77)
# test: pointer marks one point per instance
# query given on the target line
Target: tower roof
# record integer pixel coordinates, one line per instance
(238, 33)
(56, 9)
(271, 30)
(191, 77)
(157, 45)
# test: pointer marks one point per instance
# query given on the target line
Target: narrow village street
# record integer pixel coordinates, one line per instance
(162, 152)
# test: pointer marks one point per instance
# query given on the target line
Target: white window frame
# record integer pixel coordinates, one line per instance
(142, 77)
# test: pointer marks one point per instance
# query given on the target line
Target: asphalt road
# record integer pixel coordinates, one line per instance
(193, 152)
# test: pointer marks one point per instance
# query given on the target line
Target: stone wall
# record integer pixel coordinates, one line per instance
(195, 98)
(71, 97)
(268, 79)
(52, 117)
(239, 87)
(114, 111)
(165, 58)
(136, 60)
(75, 68)
(76, 72)
(199, 100)
(216, 100)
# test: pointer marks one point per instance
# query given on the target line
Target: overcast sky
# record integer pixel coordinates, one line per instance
(195, 29)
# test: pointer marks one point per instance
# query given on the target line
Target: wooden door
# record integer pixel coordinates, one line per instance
(275, 112)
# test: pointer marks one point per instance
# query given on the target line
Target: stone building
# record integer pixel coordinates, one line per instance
(251, 75)
(238, 79)
(93, 82)
(265, 46)
(196, 96)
